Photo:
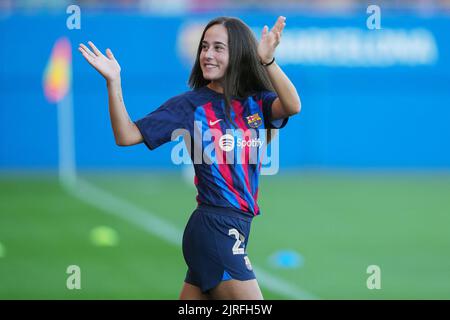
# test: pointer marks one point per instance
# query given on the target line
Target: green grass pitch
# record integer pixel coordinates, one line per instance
(339, 223)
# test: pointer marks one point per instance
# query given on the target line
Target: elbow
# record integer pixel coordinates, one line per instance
(295, 108)
(298, 107)
(121, 143)
(128, 136)
(128, 141)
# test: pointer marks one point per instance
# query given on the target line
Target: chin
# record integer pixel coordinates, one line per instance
(211, 78)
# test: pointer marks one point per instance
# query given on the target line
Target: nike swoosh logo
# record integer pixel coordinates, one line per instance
(211, 123)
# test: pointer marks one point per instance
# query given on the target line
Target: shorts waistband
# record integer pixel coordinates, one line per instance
(226, 211)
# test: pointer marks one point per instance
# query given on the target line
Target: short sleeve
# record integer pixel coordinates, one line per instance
(157, 127)
(267, 99)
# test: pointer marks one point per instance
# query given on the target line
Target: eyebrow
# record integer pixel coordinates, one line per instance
(215, 42)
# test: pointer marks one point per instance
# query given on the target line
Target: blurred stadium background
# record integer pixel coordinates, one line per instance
(364, 169)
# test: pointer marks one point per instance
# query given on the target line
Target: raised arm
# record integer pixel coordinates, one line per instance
(125, 131)
(288, 102)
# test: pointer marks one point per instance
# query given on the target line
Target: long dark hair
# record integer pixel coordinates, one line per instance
(245, 75)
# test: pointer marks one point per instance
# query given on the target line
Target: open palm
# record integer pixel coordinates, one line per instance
(107, 65)
(270, 40)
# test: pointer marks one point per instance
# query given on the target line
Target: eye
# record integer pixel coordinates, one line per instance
(204, 46)
(218, 48)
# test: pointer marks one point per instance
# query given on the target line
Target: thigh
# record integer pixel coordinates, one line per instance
(191, 292)
(237, 290)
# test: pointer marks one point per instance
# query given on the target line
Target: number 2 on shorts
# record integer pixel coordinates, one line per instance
(236, 249)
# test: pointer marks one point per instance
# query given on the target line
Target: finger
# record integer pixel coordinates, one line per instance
(110, 54)
(278, 37)
(94, 48)
(278, 26)
(265, 30)
(86, 49)
(281, 23)
(83, 50)
(88, 57)
(275, 25)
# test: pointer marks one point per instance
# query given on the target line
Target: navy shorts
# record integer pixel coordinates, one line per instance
(214, 246)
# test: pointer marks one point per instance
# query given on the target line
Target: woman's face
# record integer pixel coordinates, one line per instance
(214, 54)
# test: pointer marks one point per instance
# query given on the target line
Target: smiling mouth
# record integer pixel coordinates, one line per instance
(210, 66)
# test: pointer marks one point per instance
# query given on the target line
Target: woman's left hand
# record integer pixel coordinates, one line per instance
(270, 40)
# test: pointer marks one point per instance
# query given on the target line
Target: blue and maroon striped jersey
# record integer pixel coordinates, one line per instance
(227, 156)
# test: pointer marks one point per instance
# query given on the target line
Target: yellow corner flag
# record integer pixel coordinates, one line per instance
(58, 72)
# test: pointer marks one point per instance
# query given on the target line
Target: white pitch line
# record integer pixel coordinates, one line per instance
(282, 287)
(105, 201)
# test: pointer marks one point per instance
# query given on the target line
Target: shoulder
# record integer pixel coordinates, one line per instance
(263, 97)
(263, 94)
(182, 97)
(192, 96)
(184, 101)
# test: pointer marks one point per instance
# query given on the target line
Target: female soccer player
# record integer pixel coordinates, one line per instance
(236, 87)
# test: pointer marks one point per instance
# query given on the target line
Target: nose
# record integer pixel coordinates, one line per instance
(208, 54)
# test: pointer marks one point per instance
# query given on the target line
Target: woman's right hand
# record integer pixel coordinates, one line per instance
(107, 66)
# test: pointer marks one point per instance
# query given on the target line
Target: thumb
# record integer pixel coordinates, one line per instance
(265, 29)
(109, 54)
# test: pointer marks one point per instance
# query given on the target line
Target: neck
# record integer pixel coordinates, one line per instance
(214, 85)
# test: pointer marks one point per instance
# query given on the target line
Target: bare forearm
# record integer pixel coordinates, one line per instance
(125, 131)
(286, 91)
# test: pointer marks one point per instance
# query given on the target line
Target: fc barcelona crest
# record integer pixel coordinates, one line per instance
(254, 121)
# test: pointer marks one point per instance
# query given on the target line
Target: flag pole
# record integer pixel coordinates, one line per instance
(57, 84)
(66, 146)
